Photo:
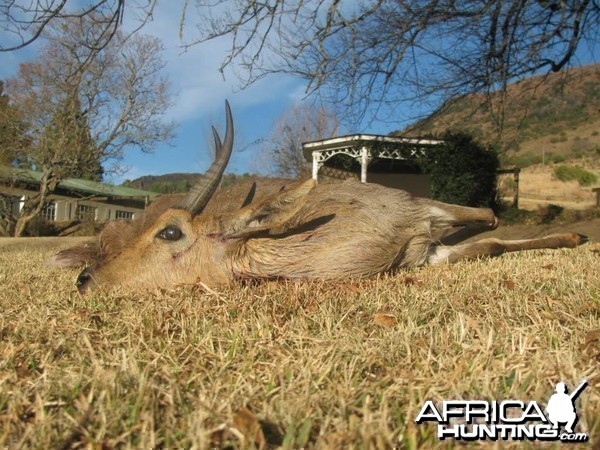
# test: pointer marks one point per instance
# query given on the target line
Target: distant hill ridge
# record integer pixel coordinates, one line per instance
(174, 177)
(552, 116)
(174, 183)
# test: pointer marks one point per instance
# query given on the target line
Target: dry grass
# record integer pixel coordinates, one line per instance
(323, 365)
(538, 186)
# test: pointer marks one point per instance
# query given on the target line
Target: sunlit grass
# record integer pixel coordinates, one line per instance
(311, 364)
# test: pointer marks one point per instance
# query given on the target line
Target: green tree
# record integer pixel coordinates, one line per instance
(462, 171)
(12, 131)
(67, 143)
(85, 107)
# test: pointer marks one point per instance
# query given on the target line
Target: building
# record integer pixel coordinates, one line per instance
(73, 199)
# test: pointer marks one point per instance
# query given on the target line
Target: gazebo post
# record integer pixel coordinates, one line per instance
(315, 165)
(364, 162)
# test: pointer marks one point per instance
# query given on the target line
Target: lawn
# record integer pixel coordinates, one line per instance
(307, 364)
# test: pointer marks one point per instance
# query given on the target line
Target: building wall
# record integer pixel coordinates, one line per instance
(66, 208)
(417, 184)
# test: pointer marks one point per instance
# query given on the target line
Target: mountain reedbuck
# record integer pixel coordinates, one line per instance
(283, 229)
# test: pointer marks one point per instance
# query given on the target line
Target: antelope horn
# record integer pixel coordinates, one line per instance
(218, 143)
(203, 190)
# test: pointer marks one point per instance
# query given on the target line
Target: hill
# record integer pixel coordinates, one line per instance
(169, 183)
(174, 183)
(547, 118)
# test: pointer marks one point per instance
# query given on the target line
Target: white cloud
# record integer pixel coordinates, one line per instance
(199, 86)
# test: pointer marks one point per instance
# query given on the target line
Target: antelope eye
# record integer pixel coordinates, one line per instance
(170, 233)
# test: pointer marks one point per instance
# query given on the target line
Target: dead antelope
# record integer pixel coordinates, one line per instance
(281, 229)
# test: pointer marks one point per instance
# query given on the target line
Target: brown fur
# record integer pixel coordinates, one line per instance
(288, 230)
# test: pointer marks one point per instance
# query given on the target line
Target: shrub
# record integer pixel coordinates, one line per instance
(511, 215)
(557, 158)
(510, 183)
(571, 173)
(550, 213)
(462, 171)
(526, 160)
(560, 138)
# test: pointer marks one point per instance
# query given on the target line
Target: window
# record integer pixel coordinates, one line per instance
(127, 215)
(86, 213)
(49, 212)
(9, 204)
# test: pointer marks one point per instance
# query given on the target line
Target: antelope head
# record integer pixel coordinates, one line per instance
(177, 242)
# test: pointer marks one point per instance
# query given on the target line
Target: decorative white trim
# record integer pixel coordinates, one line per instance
(364, 147)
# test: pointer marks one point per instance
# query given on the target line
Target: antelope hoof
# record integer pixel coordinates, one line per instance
(583, 239)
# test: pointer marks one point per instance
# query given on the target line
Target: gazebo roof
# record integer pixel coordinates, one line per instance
(363, 147)
(354, 140)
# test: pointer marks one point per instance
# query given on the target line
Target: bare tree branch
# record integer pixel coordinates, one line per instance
(301, 123)
(23, 22)
(85, 107)
(391, 54)
(375, 57)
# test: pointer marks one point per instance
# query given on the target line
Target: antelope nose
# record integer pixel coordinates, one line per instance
(83, 280)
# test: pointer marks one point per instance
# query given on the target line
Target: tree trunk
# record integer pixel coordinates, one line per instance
(33, 206)
(22, 222)
(7, 220)
(6, 228)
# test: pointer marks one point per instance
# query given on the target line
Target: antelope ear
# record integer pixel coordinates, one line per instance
(115, 235)
(272, 213)
(79, 256)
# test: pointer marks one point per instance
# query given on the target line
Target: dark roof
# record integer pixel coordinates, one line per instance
(75, 184)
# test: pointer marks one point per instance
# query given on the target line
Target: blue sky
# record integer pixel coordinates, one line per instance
(200, 91)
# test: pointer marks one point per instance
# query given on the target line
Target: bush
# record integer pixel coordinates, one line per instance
(550, 213)
(571, 173)
(526, 160)
(511, 215)
(562, 137)
(462, 171)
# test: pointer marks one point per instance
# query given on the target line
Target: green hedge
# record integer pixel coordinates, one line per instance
(462, 171)
(572, 173)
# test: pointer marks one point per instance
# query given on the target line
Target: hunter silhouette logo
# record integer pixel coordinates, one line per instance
(472, 420)
(561, 406)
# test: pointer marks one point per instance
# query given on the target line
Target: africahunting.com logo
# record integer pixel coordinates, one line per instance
(472, 420)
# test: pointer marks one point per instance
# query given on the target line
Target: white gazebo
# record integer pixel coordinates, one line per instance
(364, 147)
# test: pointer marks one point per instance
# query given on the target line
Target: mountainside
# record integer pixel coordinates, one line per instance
(169, 183)
(547, 118)
(174, 183)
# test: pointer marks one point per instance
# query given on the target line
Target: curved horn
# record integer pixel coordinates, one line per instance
(218, 143)
(203, 190)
